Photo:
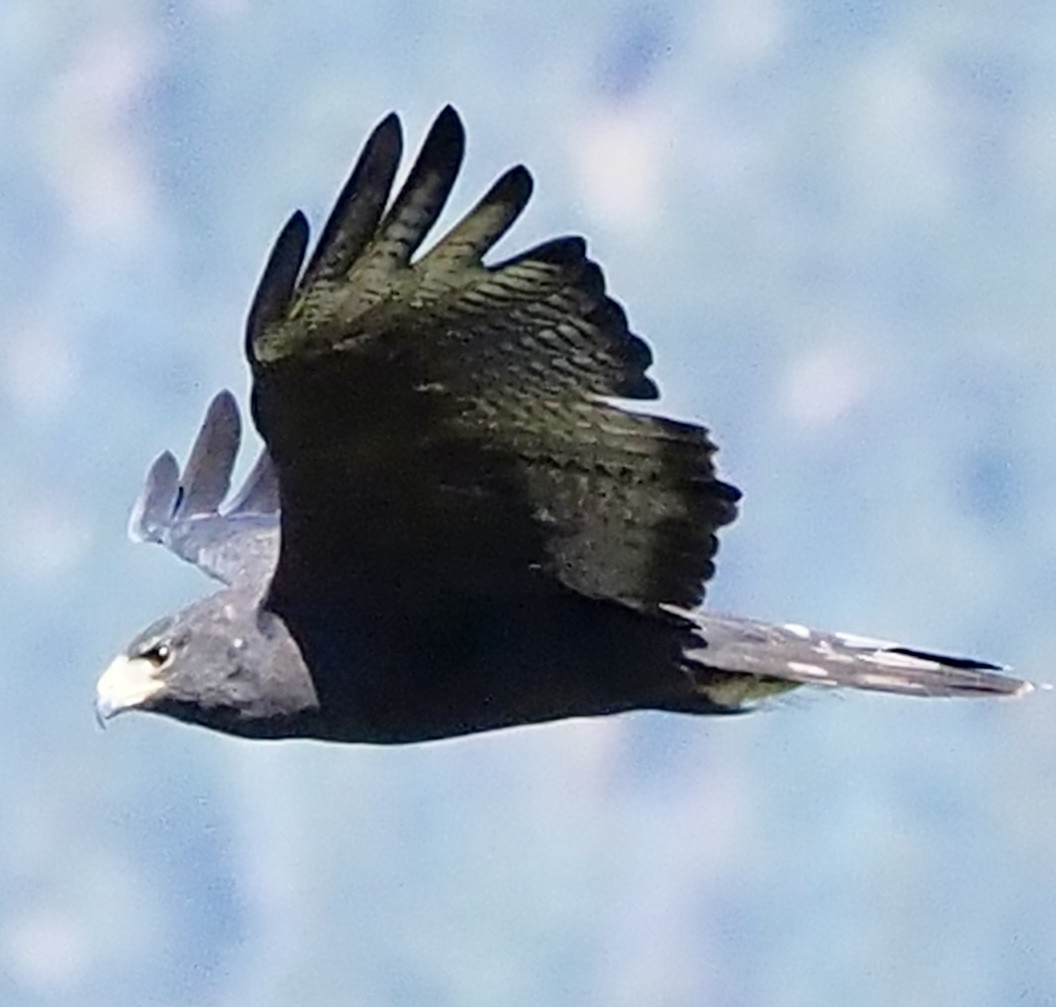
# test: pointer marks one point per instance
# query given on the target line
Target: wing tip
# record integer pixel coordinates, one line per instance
(448, 118)
(205, 479)
(153, 508)
(223, 408)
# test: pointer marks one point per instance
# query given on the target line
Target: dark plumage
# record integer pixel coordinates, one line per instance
(473, 533)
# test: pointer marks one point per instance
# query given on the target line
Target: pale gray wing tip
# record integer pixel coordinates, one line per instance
(206, 478)
(153, 510)
(181, 510)
(259, 492)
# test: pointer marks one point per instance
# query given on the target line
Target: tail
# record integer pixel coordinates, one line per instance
(778, 657)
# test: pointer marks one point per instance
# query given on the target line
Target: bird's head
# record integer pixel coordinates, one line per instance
(219, 663)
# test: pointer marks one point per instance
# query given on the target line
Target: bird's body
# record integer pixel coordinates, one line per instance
(495, 659)
(456, 525)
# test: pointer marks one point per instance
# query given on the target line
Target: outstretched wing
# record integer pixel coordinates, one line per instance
(448, 452)
(182, 510)
(442, 428)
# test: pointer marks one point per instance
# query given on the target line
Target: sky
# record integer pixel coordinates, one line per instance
(834, 224)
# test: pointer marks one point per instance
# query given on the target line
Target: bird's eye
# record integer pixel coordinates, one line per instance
(158, 655)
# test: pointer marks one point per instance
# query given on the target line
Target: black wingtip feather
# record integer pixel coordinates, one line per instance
(425, 192)
(446, 131)
(564, 253)
(641, 389)
(448, 119)
(608, 316)
(360, 204)
(277, 282)
(638, 351)
(560, 251)
(518, 181)
(591, 280)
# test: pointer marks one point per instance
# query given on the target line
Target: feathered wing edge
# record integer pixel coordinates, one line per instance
(772, 654)
(546, 304)
(362, 239)
(182, 510)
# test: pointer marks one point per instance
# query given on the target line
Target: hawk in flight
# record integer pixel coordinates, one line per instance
(454, 526)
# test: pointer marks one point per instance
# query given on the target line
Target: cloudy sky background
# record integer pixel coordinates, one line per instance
(835, 223)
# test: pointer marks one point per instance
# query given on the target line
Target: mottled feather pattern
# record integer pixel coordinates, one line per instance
(512, 358)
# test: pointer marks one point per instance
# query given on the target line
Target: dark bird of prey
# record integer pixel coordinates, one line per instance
(457, 523)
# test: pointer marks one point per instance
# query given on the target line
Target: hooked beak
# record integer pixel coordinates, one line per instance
(126, 684)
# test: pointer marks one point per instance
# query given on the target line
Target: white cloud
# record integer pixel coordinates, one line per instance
(40, 368)
(89, 149)
(824, 385)
(619, 156)
(45, 950)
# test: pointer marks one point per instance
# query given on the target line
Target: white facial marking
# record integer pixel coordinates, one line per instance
(127, 683)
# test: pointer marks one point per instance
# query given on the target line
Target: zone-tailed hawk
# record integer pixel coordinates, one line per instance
(454, 525)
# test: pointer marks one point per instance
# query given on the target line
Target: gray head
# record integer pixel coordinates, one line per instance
(220, 663)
